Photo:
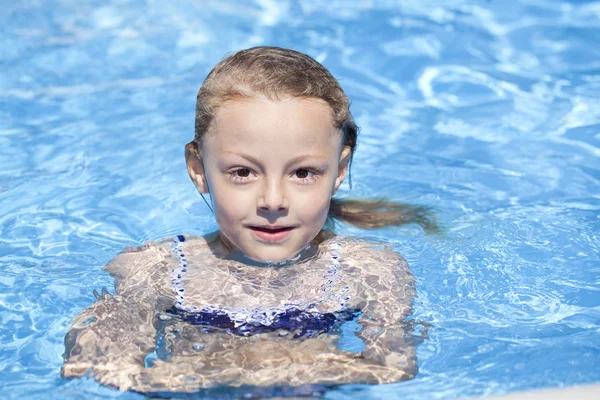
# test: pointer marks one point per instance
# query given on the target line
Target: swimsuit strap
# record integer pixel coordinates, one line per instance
(333, 279)
(177, 274)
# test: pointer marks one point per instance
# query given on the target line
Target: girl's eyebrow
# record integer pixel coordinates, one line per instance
(243, 155)
(294, 160)
(305, 157)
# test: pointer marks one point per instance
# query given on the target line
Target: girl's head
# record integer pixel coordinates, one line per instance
(274, 139)
(273, 73)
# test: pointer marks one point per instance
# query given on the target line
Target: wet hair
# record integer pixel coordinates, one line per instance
(277, 73)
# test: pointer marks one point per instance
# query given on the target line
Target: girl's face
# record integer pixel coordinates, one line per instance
(271, 168)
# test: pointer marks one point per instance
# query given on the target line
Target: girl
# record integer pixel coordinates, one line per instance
(260, 302)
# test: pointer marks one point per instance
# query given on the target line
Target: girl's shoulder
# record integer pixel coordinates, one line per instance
(140, 260)
(362, 251)
(374, 260)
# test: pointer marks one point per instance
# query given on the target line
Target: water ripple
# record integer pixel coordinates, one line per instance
(487, 113)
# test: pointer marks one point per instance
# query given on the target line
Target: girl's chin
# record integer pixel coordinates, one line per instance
(273, 257)
(258, 253)
(254, 254)
(268, 255)
(284, 256)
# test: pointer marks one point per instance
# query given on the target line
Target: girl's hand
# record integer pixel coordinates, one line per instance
(124, 378)
(120, 377)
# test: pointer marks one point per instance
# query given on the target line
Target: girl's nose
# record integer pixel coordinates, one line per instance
(273, 197)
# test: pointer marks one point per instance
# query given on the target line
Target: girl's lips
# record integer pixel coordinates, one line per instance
(271, 235)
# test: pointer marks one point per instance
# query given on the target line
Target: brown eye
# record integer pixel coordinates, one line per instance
(243, 172)
(302, 173)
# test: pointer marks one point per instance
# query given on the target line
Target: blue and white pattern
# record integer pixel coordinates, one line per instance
(259, 315)
(177, 275)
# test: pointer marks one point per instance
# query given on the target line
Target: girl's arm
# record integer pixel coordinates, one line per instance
(111, 338)
(260, 362)
(387, 290)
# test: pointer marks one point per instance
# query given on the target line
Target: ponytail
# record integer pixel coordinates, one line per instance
(378, 213)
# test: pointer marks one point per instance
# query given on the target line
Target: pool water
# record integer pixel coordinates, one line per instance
(487, 111)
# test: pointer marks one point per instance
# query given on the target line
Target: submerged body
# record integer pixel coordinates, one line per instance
(236, 324)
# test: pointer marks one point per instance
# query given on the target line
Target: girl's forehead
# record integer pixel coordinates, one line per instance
(289, 117)
(288, 126)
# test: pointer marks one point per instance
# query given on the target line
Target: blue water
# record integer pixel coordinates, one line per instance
(487, 111)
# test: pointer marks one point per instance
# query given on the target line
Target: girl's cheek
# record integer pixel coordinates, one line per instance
(313, 206)
(228, 206)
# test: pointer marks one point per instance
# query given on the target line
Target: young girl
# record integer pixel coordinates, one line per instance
(260, 302)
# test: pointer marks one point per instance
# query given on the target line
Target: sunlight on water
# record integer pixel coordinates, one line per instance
(488, 112)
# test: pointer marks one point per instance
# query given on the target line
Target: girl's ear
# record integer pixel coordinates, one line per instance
(342, 167)
(195, 168)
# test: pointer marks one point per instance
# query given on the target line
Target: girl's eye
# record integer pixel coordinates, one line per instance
(305, 176)
(302, 173)
(240, 175)
(242, 172)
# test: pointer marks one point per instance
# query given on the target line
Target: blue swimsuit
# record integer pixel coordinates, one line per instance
(299, 319)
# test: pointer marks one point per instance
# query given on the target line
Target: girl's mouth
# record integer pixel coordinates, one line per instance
(272, 234)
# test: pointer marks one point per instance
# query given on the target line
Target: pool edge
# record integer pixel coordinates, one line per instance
(580, 392)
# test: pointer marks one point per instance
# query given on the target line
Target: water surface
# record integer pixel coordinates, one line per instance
(487, 111)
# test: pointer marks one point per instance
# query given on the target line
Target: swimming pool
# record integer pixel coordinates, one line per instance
(488, 112)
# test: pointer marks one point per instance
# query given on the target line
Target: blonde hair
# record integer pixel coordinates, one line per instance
(276, 73)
